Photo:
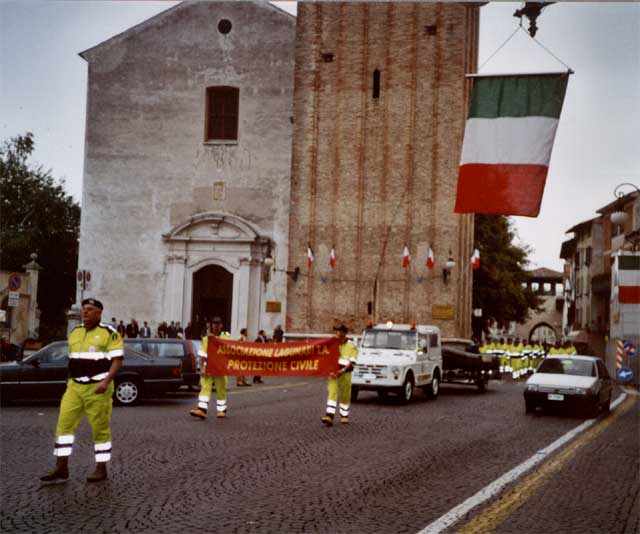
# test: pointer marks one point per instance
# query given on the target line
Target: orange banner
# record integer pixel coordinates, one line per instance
(318, 357)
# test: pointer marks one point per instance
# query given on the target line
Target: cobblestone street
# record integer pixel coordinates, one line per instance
(272, 467)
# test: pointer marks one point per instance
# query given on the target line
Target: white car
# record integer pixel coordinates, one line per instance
(396, 358)
(576, 382)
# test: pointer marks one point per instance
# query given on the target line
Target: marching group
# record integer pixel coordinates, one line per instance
(520, 358)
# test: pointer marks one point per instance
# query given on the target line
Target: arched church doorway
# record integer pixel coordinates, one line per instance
(212, 295)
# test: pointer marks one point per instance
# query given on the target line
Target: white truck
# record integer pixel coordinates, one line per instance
(395, 358)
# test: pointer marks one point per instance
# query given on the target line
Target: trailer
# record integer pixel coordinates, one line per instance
(463, 364)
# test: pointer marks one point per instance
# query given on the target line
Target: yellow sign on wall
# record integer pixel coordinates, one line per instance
(443, 312)
(274, 306)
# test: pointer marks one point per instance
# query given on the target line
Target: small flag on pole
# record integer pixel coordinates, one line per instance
(310, 256)
(332, 258)
(406, 258)
(475, 259)
(430, 259)
(507, 145)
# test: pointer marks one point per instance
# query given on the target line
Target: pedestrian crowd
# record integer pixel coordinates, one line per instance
(165, 329)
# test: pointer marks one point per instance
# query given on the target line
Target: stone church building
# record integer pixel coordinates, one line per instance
(225, 138)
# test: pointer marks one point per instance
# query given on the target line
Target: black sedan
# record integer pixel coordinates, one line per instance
(43, 375)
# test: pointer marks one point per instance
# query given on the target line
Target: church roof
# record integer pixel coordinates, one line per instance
(156, 19)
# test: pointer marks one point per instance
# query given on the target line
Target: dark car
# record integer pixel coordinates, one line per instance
(184, 349)
(43, 375)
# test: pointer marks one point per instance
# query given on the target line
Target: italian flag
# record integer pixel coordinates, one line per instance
(406, 257)
(507, 143)
(475, 259)
(430, 259)
(629, 279)
(310, 256)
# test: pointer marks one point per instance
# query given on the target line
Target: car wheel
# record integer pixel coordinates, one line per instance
(354, 393)
(433, 389)
(529, 407)
(406, 391)
(127, 392)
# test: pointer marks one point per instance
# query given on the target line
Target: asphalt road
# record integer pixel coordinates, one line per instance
(271, 466)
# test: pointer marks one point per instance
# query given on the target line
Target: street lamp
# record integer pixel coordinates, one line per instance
(620, 217)
(448, 266)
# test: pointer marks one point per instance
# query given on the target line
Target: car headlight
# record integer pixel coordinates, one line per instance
(581, 391)
(395, 371)
(532, 387)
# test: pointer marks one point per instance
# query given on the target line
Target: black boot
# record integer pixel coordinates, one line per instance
(61, 472)
(99, 474)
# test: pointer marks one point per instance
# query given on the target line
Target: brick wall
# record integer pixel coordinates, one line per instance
(373, 174)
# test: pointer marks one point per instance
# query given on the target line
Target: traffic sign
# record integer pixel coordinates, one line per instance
(84, 279)
(624, 374)
(15, 281)
(13, 301)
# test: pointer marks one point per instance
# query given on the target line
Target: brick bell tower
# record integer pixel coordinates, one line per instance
(380, 104)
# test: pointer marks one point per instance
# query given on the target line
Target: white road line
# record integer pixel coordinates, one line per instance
(455, 514)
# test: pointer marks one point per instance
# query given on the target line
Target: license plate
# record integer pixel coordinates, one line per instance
(369, 377)
(555, 397)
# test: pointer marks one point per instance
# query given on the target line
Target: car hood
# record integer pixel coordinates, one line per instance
(9, 365)
(385, 356)
(550, 379)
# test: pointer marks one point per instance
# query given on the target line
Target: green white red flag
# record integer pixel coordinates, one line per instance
(507, 145)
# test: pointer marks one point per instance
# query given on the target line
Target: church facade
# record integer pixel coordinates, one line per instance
(187, 165)
(225, 138)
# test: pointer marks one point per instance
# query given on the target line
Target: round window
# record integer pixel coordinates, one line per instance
(224, 26)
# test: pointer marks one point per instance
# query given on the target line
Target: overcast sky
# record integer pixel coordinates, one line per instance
(43, 85)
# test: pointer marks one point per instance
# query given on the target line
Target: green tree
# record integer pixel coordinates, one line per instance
(36, 215)
(497, 284)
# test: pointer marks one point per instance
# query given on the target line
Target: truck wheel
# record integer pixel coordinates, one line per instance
(482, 384)
(406, 392)
(433, 389)
(354, 393)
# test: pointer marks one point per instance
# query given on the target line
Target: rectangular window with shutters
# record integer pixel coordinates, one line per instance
(221, 114)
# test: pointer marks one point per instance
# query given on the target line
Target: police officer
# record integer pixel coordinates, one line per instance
(95, 355)
(339, 384)
(207, 382)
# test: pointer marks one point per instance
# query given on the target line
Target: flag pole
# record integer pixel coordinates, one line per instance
(497, 74)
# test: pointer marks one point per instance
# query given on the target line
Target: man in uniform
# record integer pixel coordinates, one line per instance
(339, 384)
(207, 382)
(95, 355)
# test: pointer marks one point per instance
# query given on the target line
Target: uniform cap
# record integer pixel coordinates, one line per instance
(342, 328)
(93, 302)
(216, 319)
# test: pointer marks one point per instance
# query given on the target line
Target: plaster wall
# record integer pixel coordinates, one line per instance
(148, 169)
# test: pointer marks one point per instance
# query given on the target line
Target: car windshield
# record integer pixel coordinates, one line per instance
(387, 339)
(567, 366)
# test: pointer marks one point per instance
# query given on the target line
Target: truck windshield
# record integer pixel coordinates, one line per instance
(386, 339)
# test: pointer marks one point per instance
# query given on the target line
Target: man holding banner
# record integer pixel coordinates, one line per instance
(207, 382)
(339, 384)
